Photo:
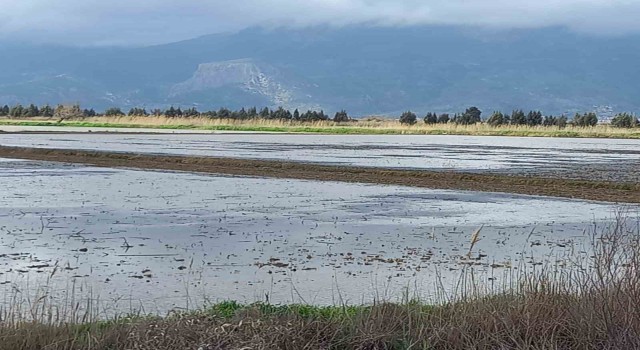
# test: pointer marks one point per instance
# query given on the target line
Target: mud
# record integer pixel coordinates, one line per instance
(619, 192)
(582, 159)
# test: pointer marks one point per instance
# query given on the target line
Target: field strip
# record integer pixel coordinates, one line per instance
(616, 192)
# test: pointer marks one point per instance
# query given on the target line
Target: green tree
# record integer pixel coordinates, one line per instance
(550, 121)
(252, 113)
(46, 111)
(496, 119)
(223, 113)
(431, 118)
(193, 112)
(561, 121)
(113, 112)
(89, 113)
(265, 113)
(341, 117)
(471, 116)
(16, 111)
(534, 118)
(443, 118)
(138, 112)
(4, 111)
(408, 118)
(585, 120)
(625, 120)
(518, 117)
(171, 112)
(31, 111)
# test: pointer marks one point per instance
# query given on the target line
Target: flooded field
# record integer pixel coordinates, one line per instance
(166, 240)
(592, 159)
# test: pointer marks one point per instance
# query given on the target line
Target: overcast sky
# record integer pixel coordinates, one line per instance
(143, 22)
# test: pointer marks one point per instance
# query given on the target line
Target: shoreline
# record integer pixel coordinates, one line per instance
(524, 185)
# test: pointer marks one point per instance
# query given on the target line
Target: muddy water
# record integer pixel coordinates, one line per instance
(163, 240)
(595, 159)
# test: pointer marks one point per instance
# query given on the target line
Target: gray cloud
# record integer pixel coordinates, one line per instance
(133, 22)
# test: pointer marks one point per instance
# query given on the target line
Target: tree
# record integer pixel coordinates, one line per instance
(518, 117)
(281, 114)
(4, 111)
(443, 118)
(16, 111)
(31, 111)
(550, 121)
(63, 112)
(265, 113)
(534, 118)
(47, 111)
(113, 112)
(138, 112)
(89, 113)
(192, 112)
(625, 120)
(431, 118)
(170, 112)
(496, 119)
(341, 117)
(252, 113)
(561, 122)
(471, 116)
(408, 118)
(585, 120)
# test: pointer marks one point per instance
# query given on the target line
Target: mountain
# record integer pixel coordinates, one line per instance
(366, 70)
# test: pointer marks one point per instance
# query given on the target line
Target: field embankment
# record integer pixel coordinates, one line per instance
(618, 192)
(375, 127)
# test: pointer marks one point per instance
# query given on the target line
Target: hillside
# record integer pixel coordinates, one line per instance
(364, 70)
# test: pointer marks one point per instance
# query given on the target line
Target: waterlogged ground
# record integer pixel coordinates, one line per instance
(593, 159)
(165, 240)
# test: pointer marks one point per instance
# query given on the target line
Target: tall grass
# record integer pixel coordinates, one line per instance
(370, 126)
(590, 305)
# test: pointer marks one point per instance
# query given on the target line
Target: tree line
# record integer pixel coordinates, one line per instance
(518, 117)
(471, 115)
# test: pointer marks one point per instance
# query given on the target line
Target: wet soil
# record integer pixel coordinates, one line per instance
(619, 192)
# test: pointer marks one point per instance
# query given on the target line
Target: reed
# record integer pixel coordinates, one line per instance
(371, 126)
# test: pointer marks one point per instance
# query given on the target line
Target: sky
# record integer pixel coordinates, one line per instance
(148, 22)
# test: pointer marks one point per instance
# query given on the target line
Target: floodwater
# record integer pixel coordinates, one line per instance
(595, 159)
(160, 241)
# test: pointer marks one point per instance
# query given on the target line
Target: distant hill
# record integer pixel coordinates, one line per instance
(364, 70)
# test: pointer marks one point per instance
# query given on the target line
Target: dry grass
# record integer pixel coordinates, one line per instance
(366, 126)
(590, 306)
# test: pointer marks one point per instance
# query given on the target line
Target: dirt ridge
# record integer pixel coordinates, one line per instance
(529, 185)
